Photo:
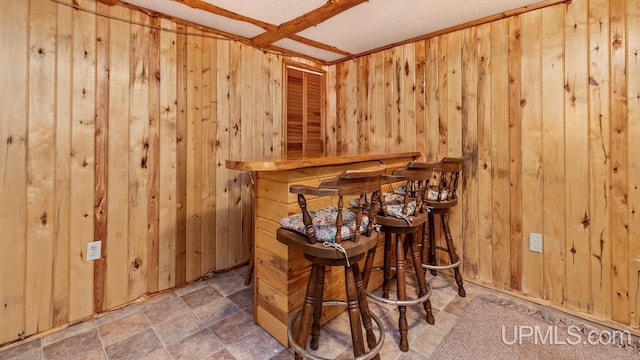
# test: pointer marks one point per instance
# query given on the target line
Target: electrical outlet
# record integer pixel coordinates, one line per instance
(535, 242)
(93, 250)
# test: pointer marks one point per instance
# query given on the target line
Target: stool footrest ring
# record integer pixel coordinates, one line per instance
(442, 267)
(307, 355)
(408, 302)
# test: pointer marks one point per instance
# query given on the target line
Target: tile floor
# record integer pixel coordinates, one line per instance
(212, 319)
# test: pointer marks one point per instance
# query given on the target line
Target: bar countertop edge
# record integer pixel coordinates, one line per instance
(278, 164)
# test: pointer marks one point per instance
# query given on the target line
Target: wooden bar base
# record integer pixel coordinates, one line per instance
(280, 272)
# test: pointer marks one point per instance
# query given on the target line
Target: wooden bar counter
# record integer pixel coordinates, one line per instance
(281, 273)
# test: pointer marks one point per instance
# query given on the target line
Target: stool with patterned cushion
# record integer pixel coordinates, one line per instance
(442, 195)
(335, 236)
(402, 216)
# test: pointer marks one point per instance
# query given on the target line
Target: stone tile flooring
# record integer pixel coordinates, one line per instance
(212, 319)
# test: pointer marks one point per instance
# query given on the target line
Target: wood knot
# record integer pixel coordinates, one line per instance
(593, 81)
(573, 250)
(10, 140)
(617, 40)
(523, 102)
(43, 219)
(137, 263)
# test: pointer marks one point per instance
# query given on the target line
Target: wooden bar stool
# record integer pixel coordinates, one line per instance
(335, 236)
(403, 215)
(441, 197)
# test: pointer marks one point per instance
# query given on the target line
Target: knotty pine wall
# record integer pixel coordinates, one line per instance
(545, 109)
(116, 131)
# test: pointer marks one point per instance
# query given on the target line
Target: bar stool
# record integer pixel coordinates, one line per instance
(441, 197)
(335, 236)
(403, 215)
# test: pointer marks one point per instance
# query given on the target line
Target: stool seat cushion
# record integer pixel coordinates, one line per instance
(324, 223)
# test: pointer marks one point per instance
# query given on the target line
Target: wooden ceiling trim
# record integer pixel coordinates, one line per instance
(202, 5)
(469, 24)
(312, 18)
(319, 45)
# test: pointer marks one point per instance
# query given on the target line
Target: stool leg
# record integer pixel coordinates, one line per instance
(432, 243)
(364, 308)
(387, 265)
(422, 283)
(368, 265)
(402, 292)
(353, 310)
(452, 254)
(304, 328)
(317, 310)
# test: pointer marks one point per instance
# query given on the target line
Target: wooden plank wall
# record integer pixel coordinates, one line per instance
(544, 107)
(118, 131)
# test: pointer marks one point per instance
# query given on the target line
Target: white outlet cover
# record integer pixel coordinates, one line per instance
(535, 242)
(94, 249)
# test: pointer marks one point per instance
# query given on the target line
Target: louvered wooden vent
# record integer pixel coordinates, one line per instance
(304, 132)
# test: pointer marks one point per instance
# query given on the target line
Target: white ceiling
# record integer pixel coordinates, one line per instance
(369, 25)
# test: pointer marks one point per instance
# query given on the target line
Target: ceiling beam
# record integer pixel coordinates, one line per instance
(319, 45)
(202, 5)
(109, 2)
(326, 11)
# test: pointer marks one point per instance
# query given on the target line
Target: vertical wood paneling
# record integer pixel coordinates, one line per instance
(500, 188)
(247, 135)
(532, 144)
(332, 112)
(442, 97)
(599, 139)
(350, 129)
(376, 102)
(194, 152)
(454, 94)
(153, 160)
(235, 144)
(515, 153)
(398, 118)
(181, 155)
(100, 200)
(117, 161)
(577, 153)
(485, 167)
(82, 160)
(619, 213)
(277, 89)
(420, 97)
(138, 147)
(469, 133)
(60, 268)
(362, 90)
(168, 168)
(13, 172)
(268, 70)
(389, 89)
(553, 154)
(409, 96)
(454, 122)
(40, 162)
(208, 155)
(633, 114)
(431, 100)
(222, 153)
